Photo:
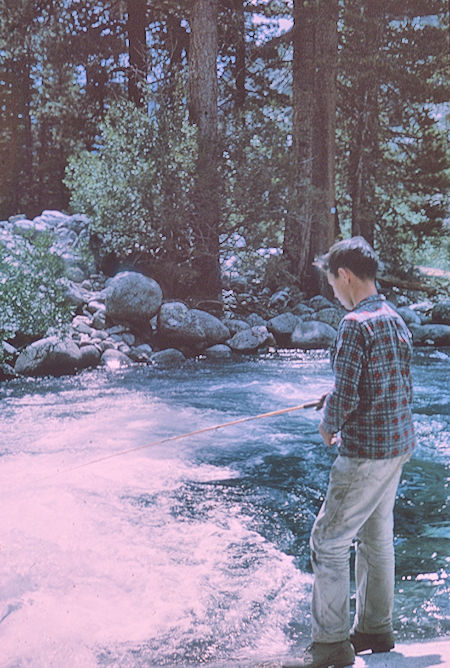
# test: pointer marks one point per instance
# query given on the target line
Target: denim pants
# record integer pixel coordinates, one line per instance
(359, 504)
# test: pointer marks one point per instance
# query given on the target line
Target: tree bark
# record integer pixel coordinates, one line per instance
(203, 113)
(137, 50)
(310, 221)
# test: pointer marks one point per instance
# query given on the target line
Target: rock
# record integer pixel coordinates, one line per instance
(132, 298)
(218, 352)
(129, 338)
(7, 372)
(177, 324)
(76, 295)
(441, 313)
(331, 316)
(99, 319)
(438, 335)
(319, 302)
(141, 353)
(23, 226)
(282, 326)
(409, 316)
(49, 356)
(75, 273)
(235, 325)
(301, 309)
(89, 356)
(168, 358)
(280, 299)
(313, 334)
(215, 330)
(95, 305)
(254, 320)
(249, 340)
(114, 359)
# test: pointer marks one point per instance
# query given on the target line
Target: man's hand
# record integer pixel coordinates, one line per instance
(328, 439)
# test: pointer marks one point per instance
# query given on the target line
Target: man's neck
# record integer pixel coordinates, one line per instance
(361, 290)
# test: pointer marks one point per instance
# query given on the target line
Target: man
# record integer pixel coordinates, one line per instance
(370, 407)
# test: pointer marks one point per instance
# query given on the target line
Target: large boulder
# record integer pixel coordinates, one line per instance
(49, 356)
(313, 334)
(115, 359)
(331, 316)
(441, 312)
(218, 352)
(282, 327)
(179, 325)
(132, 298)
(249, 340)
(409, 316)
(215, 330)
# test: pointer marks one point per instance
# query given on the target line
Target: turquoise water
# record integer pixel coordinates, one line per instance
(191, 552)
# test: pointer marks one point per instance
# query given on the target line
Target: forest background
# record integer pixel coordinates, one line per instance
(184, 128)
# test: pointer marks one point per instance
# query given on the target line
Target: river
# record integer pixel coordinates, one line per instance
(195, 551)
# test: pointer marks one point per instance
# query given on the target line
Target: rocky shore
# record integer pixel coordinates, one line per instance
(125, 319)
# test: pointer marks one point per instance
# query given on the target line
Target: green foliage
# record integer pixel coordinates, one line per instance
(32, 295)
(135, 186)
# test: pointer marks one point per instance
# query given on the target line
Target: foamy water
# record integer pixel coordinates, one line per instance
(185, 553)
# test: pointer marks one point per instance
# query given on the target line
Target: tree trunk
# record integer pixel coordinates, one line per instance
(137, 50)
(310, 221)
(203, 113)
(240, 71)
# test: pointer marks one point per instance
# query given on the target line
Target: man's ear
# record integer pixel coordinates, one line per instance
(344, 274)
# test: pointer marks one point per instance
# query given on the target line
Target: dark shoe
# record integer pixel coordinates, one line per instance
(323, 655)
(377, 642)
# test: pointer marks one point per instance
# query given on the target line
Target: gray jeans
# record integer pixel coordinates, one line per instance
(359, 504)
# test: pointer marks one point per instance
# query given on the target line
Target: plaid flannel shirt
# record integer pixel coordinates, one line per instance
(370, 402)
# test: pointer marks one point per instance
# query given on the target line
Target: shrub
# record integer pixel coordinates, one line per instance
(32, 295)
(135, 184)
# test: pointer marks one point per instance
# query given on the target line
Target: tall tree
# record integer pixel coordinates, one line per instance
(203, 113)
(309, 228)
(137, 50)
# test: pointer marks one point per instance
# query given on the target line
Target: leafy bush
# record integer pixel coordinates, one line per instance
(32, 292)
(135, 185)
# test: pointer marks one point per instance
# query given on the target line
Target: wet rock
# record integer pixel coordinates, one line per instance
(89, 356)
(249, 340)
(114, 359)
(49, 356)
(313, 334)
(132, 298)
(168, 358)
(218, 352)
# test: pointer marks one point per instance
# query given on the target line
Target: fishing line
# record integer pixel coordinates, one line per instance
(317, 404)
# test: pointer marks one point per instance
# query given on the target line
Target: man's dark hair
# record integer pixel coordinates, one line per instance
(354, 254)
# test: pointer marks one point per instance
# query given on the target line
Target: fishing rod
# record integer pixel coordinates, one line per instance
(317, 404)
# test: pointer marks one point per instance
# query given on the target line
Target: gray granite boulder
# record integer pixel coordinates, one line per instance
(302, 309)
(282, 327)
(331, 316)
(168, 358)
(179, 325)
(235, 325)
(132, 298)
(319, 302)
(218, 352)
(313, 334)
(254, 320)
(249, 340)
(215, 330)
(89, 356)
(49, 356)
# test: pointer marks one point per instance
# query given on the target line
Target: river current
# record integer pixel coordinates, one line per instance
(192, 552)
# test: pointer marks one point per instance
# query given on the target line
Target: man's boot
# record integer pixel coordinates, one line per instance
(377, 642)
(323, 655)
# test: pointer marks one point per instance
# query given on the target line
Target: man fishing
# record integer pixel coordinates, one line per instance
(368, 415)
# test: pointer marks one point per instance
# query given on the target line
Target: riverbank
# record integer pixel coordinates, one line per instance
(127, 319)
